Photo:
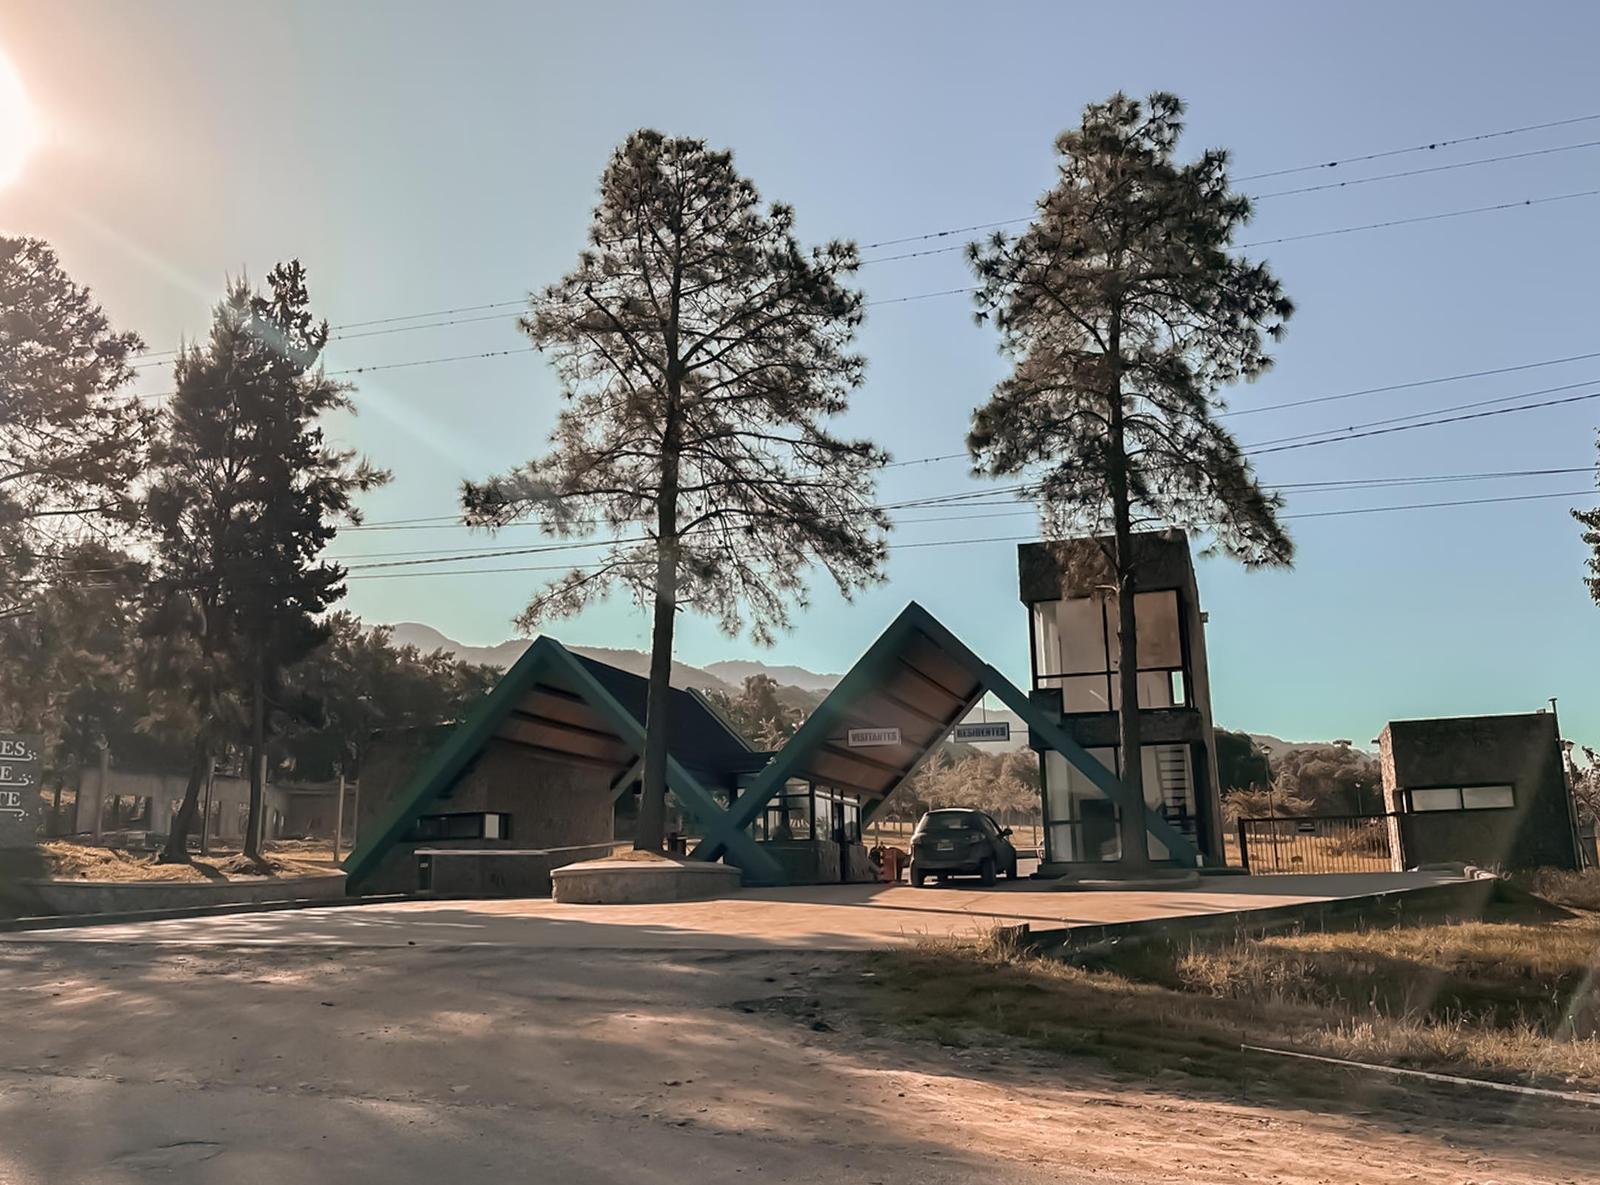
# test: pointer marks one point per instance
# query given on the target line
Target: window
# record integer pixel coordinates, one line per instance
(1081, 823)
(1461, 798)
(462, 825)
(1075, 649)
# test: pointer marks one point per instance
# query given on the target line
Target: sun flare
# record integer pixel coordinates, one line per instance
(19, 128)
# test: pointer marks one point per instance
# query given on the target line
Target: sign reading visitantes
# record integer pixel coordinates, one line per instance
(1000, 730)
(867, 738)
(19, 789)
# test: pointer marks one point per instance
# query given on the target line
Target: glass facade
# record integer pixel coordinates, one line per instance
(805, 811)
(1076, 649)
(1081, 823)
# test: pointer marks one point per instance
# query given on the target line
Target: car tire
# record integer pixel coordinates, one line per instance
(1011, 871)
(986, 870)
(918, 879)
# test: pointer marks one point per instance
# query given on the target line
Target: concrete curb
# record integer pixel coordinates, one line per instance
(85, 920)
(1388, 907)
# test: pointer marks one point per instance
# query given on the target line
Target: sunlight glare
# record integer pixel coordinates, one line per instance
(19, 130)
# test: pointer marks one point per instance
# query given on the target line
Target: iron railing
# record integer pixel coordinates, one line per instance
(1320, 843)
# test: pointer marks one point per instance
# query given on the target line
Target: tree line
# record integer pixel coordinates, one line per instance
(706, 360)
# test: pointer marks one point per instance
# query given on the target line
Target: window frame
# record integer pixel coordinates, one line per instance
(1179, 681)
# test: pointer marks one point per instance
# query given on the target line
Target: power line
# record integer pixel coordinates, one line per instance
(1341, 513)
(1460, 164)
(1449, 378)
(1316, 234)
(1479, 415)
(1429, 147)
(1331, 164)
(1417, 415)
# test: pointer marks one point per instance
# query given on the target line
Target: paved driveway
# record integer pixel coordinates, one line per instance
(813, 917)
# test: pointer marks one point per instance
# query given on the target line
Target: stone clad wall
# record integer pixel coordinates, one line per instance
(1522, 751)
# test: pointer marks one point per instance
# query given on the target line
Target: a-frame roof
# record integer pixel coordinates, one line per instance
(565, 707)
(920, 678)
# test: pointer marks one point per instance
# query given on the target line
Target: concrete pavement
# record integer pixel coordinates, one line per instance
(813, 917)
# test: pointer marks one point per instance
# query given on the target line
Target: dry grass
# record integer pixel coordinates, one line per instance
(1514, 1001)
(1579, 890)
(74, 861)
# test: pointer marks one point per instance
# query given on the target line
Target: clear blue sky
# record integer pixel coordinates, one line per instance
(425, 156)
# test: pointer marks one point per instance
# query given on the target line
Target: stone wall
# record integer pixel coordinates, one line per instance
(1521, 751)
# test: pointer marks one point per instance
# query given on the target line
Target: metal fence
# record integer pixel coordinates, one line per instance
(1320, 843)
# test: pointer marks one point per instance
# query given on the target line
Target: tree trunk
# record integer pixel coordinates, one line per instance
(1135, 849)
(177, 849)
(648, 835)
(258, 752)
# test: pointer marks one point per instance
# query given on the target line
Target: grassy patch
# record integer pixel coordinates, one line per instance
(1513, 1001)
(1580, 890)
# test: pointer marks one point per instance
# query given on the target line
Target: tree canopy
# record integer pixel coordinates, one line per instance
(701, 353)
(71, 444)
(245, 495)
(1124, 311)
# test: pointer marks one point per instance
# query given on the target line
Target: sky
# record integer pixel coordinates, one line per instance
(420, 157)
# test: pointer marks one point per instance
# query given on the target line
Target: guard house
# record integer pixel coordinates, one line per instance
(1072, 621)
(1484, 790)
(545, 769)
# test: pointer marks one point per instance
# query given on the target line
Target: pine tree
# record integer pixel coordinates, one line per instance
(1124, 313)
(1590, 519)
(246, 496)
(70, 443)
(700, 352)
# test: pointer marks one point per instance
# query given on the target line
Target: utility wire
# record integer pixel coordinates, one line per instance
(1298, 238)
(1433, 146)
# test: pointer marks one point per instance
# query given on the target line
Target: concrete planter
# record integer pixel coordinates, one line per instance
(640, 882)
(71, 897)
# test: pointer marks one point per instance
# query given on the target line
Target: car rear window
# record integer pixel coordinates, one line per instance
(948, 823)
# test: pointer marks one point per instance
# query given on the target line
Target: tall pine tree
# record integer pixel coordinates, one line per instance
(71, 443)
(1590, 519)
(246, 495)
(701, 352)
(1124, 313)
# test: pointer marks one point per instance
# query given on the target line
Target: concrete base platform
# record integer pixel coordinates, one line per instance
(641, 882)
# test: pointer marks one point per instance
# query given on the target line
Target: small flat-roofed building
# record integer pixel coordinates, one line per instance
(1072, 618)
(1484, 790)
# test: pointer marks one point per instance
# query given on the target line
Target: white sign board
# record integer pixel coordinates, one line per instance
(19, 789)
(867, 738)
(1000, 730)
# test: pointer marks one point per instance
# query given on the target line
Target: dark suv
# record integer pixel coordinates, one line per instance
(956, 841)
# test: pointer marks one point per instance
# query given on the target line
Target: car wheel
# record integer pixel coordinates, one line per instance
(986, 870)
(918, 879)
(1011, 870)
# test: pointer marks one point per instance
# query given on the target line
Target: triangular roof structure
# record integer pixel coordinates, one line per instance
(918, 678)
(921, 679)
(568, 707)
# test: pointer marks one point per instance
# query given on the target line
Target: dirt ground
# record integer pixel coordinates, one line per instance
(67, 860)
(189, 1064)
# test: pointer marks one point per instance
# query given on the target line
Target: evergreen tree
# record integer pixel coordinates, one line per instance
(70, 443)
(1591, 536)
(244, 500)
(360, 683)
(700, 352)
(1124, 313)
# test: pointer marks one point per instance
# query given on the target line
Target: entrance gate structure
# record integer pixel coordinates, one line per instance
(902, 699)
(915, 683)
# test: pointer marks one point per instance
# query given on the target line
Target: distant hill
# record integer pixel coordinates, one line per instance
(735, 671)
(428, 639)
(1276, 747)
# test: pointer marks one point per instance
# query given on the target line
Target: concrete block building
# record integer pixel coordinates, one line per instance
(1484, 790)
(1072, 618)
